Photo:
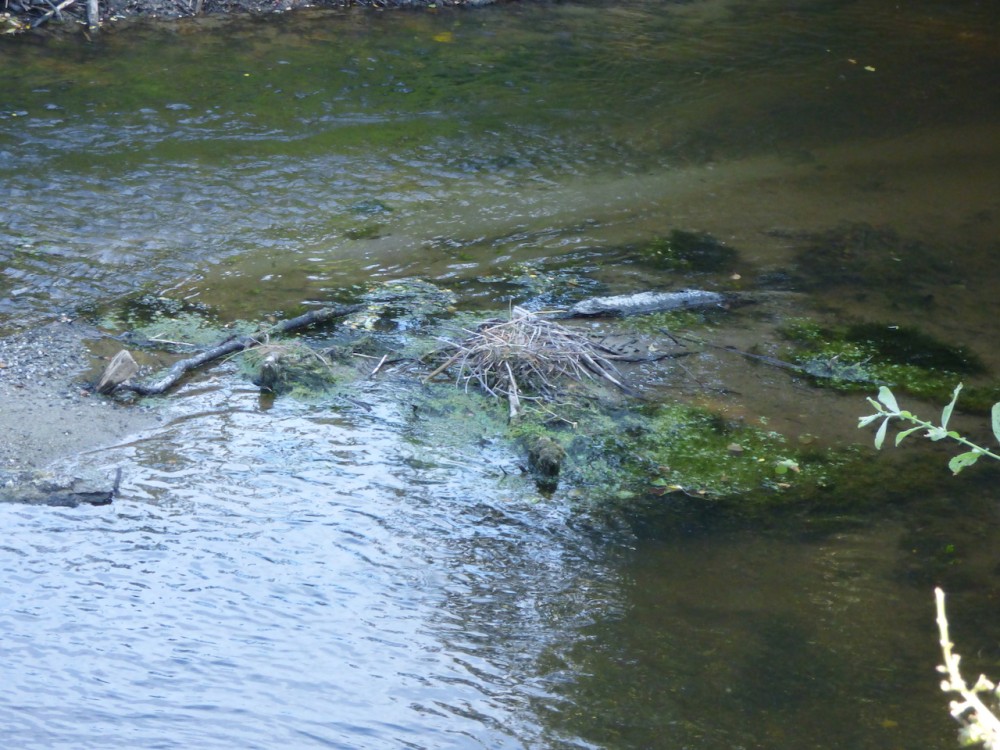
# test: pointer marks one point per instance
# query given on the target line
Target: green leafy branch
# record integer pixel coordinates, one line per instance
(887, 409)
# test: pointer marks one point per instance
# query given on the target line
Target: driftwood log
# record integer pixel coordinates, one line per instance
(646, 302)
(232, 345)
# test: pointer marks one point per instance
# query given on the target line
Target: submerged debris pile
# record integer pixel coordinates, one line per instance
(22, 15)
(526, 354)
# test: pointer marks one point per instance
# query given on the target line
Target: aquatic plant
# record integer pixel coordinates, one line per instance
(690, 251)
(857, 356)
(980, 723)
(887, 409)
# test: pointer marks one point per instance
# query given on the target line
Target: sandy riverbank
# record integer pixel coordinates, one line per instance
(46, 411)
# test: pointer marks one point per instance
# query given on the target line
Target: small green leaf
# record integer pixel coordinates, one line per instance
(865, 421)
(936, 433)
(996, 421)
(904, 433)
(880, 435)
(886, 397)
(786, 465)
(946, 413)
(962, 460)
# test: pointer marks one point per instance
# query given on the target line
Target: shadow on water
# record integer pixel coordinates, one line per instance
(327, 575)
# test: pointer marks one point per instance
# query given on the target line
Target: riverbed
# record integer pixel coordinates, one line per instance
(334, 573)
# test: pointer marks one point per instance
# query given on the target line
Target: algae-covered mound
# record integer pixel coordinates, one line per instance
(857, 356)
(543, 283)
(601, 454)
(169, 324)
(281, 368)
(674, 452)
(689, 251)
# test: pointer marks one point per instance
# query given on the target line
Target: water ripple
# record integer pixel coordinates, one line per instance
(273, 575)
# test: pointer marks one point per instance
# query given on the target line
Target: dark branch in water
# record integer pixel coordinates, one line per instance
(236, 344)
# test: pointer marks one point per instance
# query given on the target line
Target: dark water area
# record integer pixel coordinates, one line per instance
(337, 575)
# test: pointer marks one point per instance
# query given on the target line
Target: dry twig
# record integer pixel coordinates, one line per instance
(981, 724)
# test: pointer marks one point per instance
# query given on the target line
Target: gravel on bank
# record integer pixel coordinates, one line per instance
(46, 411)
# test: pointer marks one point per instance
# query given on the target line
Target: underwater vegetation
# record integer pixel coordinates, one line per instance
(857, 356)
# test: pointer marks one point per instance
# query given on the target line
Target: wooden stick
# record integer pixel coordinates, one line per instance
(235, 344)
(379, 365)
(55, 11)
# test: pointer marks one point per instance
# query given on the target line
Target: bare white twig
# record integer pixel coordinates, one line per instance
(981, 724)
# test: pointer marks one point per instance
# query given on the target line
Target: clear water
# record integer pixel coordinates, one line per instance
(318, 575)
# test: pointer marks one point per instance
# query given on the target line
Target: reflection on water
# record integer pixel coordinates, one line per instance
(308, 576)
(280, 577)
(595, 124)
(318, 575)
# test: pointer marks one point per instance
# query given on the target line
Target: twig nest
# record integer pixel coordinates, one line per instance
(526, 355)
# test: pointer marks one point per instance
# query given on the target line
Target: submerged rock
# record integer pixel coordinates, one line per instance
(43, 488)
(545, 459)
(402, 305)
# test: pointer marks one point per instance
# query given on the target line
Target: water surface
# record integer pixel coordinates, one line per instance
(325, 575)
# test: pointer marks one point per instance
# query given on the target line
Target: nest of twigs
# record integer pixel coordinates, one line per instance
(526, 357)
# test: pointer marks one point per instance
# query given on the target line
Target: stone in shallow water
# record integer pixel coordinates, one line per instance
(43, 488)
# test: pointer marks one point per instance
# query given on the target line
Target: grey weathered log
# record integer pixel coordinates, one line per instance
(237, 344)
(646, 302)
(93, 15)
(121, 367)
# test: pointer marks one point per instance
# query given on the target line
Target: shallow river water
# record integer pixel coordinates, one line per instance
(333, 574)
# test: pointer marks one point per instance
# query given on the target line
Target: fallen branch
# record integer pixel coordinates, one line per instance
(54, 12)
(236, 344)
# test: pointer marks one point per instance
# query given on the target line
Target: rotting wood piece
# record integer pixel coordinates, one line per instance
(236, 344)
